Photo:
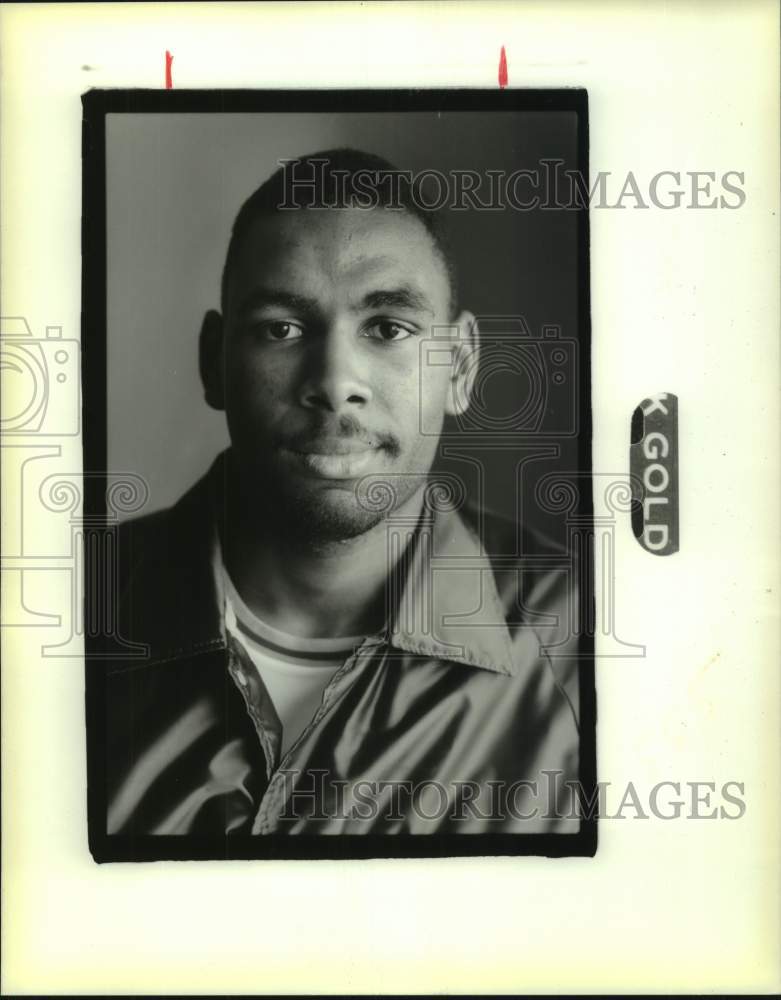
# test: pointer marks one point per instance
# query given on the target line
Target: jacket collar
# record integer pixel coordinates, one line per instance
(446, 605)
(449, 606)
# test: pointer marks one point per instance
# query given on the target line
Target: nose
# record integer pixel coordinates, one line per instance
(336, 378)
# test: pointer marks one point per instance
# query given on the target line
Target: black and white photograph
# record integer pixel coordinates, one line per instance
(390, 570)
(340, 598)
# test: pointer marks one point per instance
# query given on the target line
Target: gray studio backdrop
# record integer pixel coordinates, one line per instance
(174, 184)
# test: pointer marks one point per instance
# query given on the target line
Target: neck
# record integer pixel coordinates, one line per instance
(314, 590)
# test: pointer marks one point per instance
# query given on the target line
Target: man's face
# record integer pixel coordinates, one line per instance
(319, 365)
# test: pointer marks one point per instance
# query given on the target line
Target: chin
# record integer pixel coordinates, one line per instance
(340, 513)
(329, 516)
(315, 511)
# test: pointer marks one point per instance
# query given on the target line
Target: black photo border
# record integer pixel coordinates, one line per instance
(96, 104)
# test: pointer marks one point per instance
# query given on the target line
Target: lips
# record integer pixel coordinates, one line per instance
(332, 458)
(333, 446)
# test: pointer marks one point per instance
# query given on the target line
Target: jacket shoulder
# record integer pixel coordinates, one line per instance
(537, 580)
(537, 577)
(163, 538)
(140, 537)
(507, 539)
(156, 578)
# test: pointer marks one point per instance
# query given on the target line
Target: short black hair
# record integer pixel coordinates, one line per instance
(339, 178)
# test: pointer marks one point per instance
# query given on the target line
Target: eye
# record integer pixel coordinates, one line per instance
(279, 330)
(388, 331)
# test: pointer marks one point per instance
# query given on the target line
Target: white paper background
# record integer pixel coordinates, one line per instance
(684, 301)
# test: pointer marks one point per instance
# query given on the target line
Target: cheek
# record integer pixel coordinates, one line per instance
(434, 387)
(253, 383)
(409, 387)
(418, 408)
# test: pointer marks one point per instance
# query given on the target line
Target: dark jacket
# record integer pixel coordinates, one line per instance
(446, 722)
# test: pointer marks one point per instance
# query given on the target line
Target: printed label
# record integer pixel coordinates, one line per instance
(653, 464)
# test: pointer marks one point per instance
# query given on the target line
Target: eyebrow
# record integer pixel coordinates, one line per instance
(277, 297)
(402, 297)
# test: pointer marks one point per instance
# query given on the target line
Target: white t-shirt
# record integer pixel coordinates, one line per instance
(295, 671)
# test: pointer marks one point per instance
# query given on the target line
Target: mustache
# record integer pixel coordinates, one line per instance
(345, 428)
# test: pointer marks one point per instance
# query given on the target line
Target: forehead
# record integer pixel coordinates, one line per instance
(330, 253)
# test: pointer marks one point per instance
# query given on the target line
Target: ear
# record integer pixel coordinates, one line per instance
(210, 360)
(466, 357)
